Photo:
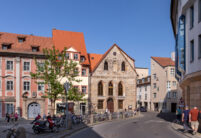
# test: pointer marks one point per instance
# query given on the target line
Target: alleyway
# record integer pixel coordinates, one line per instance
(148, 126)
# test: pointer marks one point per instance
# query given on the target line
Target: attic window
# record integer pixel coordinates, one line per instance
(82, 58)
(21, 39)
(92, 58)
(114, 53)
(6, 46)
(35, 48)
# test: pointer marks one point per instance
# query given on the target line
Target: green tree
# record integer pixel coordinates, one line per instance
(52, 71)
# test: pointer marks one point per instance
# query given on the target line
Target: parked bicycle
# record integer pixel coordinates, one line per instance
(12, 133)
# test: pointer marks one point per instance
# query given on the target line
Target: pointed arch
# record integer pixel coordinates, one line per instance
(100, 88)
(120, 89)
(123, 66)
(105, 65)
(110, 88)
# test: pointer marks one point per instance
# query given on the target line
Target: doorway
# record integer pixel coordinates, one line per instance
(110, 105)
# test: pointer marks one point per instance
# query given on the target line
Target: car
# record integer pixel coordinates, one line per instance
(143, 109)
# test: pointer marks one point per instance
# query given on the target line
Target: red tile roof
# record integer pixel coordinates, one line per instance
(26, 46)
(164, 61)
(94, 60)
(69, 39)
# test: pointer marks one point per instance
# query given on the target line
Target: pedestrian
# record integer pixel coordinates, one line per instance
(178, 114)
(185, 118)
(193, 119)
(7, 117)
(16, 116)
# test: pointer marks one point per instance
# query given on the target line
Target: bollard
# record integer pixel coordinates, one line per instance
(110, 116)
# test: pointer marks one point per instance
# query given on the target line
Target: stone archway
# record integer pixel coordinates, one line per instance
(110, 105)
(33, 110)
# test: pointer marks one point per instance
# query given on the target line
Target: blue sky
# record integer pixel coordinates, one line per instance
(142, 28)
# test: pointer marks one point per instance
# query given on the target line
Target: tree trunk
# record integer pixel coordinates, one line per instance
(53, 107)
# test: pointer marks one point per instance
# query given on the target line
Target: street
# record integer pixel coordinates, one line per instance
(147, 126)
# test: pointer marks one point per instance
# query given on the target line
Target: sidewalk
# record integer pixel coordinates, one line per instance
(179, 128)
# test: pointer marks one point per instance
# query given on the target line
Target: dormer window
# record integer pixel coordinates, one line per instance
(21, 39)
(67, 56)
(75, 56)
(35, 48)
(6, 46)
(82, 58)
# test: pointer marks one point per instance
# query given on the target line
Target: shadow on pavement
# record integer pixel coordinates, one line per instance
(170, 117)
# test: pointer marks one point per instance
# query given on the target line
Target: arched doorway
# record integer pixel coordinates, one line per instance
(110, 105)
(33, 110)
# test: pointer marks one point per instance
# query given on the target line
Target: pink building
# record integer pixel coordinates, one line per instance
(18, 92)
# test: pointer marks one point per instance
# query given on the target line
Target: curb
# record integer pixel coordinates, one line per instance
(91, 125)
(185, 134)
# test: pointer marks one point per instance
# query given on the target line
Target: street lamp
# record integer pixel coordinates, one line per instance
(66, 87)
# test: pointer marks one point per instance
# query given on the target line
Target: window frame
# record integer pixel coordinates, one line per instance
(100, 88)
(25, 86)
(192, 54)
(191, 17)
(120, 104)
(8, 66)
(39, 85)
(199, 43)
(9, 87)
(123, 66)
(85, 89)
(85, 72)
(120, 89)
(76, 57)
(106, 66)
(100, 104)
(110, 89)
(25, 66)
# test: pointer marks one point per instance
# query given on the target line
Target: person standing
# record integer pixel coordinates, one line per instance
(185, 118)
(7, 117)
(193, 119)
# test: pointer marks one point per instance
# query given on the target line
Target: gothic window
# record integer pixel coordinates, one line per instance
(100, 88)
(120, 89)
(106, 65)
(110, 89)
(123, 67)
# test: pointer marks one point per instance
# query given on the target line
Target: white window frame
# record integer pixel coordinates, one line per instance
(42, 86)
(12, 108)
(10, 85)
(25, 67)
(27, 86)
(9, 66)
(85, 89)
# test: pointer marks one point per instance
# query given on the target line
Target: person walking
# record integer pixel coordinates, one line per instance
(16, 116)
(185, 118)
(178, 114)
(193, 119)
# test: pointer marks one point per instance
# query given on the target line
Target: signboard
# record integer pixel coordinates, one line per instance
(61, 107)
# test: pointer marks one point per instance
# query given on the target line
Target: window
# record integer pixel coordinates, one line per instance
(164, 105)
(154, 95)
(168, 94)
(75, 56)
(76, 71)
(67, 56)
(41, 66)
(110, 89)
(84, 89)
(9, 65)
(199, 10)
(6, 46)
(148, 79)
(174, 95)
(145, 97)
(26, 66)
(82, 58)
(145, 88)
(114, 53)
(168, 85)
(0, 83)
(9, 108)
(100, 104)
(26, 86)
(174, 83)
(21, 39)
(154, 85)
(41, 87)
(105, 65)
(142, 80)
(100, 89)
(120, 89)
(140, 89)
(9, 85)
(191, 17)
(172, 72)
(120, 104)
(199, 45)
(84, 72)
(154, 76)
(123, 66)
(35, 48)
(139, 97)
(192, 51)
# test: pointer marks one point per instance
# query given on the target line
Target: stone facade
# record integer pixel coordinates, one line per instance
(114, 75)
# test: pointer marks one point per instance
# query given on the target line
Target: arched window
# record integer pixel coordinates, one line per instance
(123, 67)
(120, 89)
(110, 89)
(100, 88)
(106, 65)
